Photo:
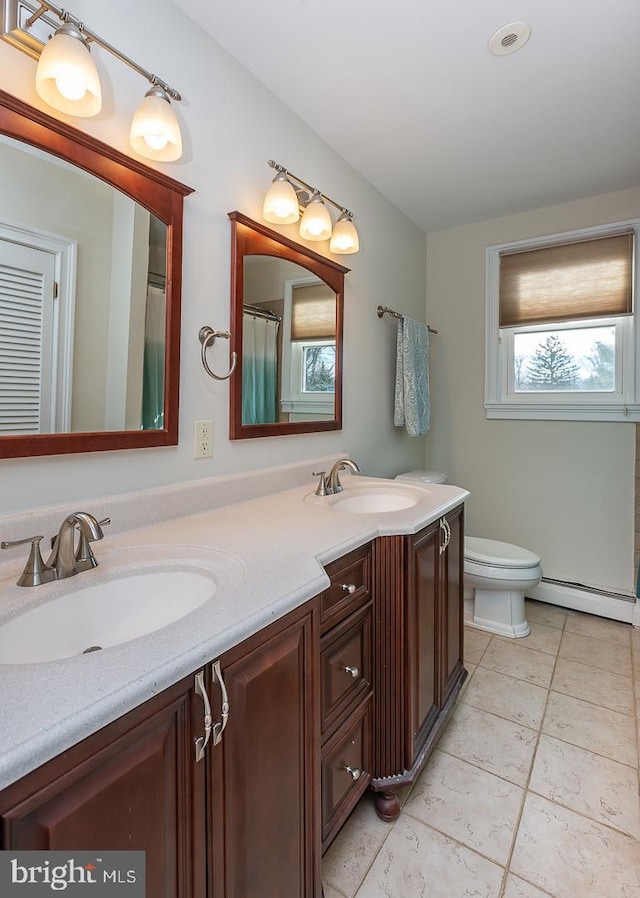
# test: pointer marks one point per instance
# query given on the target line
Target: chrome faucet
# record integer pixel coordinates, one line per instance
(66, 558)
(333, 481)
(63, 559)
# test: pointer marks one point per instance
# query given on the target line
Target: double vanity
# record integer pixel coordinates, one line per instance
(226, 684)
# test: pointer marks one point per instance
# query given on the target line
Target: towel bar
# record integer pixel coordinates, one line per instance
(381, 310)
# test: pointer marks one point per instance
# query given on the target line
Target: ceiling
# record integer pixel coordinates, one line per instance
(409, 94)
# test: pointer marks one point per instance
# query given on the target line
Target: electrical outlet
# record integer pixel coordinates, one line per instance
(203, 439)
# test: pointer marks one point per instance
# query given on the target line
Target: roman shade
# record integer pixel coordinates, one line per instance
(313, 313)
(583, 279)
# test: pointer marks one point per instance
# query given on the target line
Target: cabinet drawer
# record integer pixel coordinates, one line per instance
(350, 586)
(345, 667)
(346, 773)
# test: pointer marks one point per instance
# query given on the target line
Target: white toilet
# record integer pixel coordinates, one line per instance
(496, 576)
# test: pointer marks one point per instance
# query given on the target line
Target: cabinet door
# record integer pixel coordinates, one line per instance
(270, 764)
(132, 785)
(451, 608)
(422, 644)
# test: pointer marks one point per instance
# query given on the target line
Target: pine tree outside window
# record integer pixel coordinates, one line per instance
(562, 336)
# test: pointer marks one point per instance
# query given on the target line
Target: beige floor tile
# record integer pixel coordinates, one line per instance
(541, 613)
(597, 729)
(515, 659)
(518, 888)
(602, 653)
(330, 892)
(497, 745)
(418, 862)
(541, 638)
(470, 669)
(573, 857)
(470, 805)
(600, 687)
(354, 848)
(603, 790)
(507, 697)
(475, 644)
(599, 628)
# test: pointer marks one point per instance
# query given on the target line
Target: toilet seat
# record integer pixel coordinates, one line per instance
(496, 554)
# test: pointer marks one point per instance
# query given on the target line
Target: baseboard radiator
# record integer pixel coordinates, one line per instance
(590, 599)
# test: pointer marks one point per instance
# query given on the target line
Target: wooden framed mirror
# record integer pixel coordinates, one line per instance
(90, 292)
(287, 306)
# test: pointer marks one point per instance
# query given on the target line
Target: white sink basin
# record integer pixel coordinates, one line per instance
(374, 502)
(364, 495)
(104, 614)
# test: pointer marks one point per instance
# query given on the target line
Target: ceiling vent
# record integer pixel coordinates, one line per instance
(509, 38)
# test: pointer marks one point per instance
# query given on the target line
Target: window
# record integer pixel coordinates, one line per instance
(308, 371)
(562, 336)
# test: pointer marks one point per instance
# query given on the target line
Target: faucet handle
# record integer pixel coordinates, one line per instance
(35, 571)
(85, 559)
(323, 488)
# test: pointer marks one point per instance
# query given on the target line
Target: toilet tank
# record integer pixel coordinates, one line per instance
(423, 476)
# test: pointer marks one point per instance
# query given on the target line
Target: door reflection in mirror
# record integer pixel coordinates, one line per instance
(82, 337)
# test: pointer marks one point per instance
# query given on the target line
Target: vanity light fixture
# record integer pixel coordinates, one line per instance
(289, 195)
(67, 78)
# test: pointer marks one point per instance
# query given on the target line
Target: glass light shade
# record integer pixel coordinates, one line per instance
(316, 222)
(345, 236)
(155, 132)
(66, 76)
(281, 203)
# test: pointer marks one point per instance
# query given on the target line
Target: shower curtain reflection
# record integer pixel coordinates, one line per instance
(153, 364)
(259, 370)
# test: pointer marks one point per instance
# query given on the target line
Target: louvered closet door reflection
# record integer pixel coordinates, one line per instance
(27, 345)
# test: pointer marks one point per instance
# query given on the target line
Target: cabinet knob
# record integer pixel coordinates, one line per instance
(349, 587)
(352, 671)
(354, 772)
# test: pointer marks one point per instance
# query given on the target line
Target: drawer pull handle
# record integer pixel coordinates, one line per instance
(352, 671)
(201, 741)
(218, 728)
(349, 587)
(354, 772)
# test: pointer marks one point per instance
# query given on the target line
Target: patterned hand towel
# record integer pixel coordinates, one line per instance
(412, 404)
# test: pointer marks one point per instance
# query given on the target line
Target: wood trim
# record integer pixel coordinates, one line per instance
(249, 237)
(161, 195)
(388, 648)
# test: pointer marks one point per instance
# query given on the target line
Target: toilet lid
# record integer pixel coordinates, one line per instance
(491, 551)
(424, 476)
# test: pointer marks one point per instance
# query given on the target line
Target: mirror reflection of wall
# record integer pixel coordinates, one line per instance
(82, 320)
(289, 343)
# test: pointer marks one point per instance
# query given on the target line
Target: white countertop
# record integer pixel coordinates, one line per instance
(266, 555)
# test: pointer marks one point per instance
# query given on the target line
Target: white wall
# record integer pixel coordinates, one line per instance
(562, 489)
(232, 125)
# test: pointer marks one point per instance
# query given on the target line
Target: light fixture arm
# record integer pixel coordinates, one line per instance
(312, 191)
(66, 17)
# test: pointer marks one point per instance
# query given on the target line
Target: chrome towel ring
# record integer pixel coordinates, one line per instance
(207, 337)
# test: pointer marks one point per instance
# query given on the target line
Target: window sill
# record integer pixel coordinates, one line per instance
(562, 411)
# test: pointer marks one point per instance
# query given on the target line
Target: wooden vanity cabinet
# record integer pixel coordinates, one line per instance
(243, 822)
(418, 646)
(346, 693)
(131, 785)
(263, 789)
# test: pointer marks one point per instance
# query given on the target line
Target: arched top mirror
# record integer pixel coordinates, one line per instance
(286, 325)
(90, 292)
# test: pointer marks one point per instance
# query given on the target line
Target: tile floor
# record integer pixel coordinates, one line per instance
(532, 791)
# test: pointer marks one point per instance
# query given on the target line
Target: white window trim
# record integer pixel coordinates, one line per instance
(306, 402)
(565, 406)
(293, 401)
